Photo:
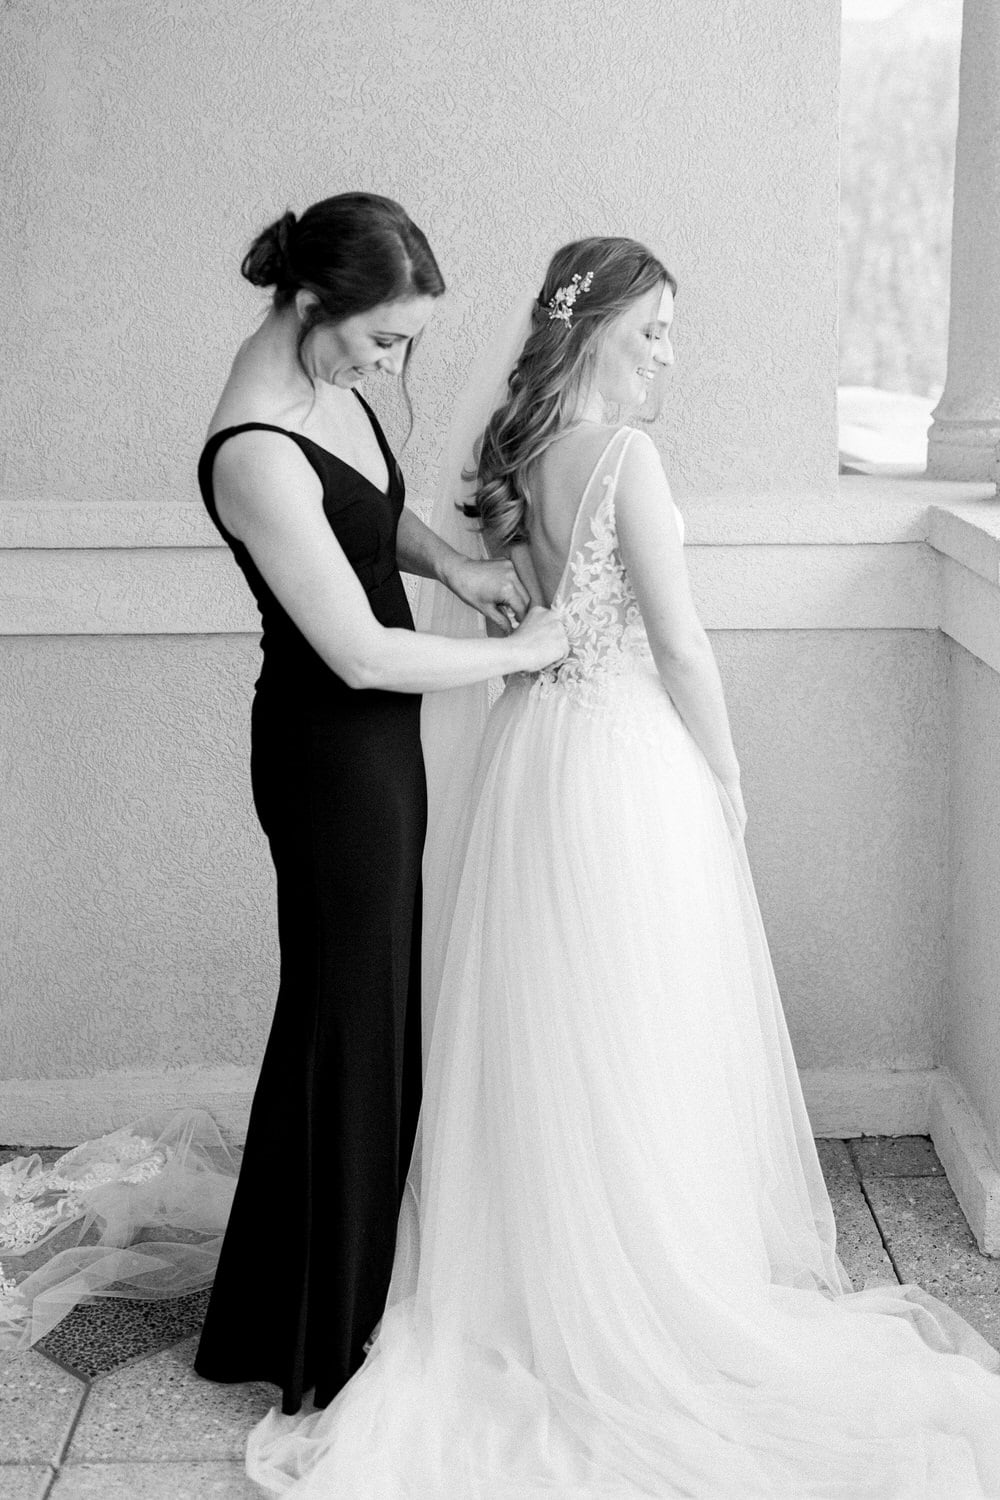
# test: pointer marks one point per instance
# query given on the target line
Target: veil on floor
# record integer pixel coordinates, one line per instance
(139, 1213)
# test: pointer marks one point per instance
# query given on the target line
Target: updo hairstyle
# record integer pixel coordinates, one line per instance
(553, 371)
(352, 252)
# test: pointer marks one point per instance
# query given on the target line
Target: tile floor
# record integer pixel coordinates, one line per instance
(107, 1407)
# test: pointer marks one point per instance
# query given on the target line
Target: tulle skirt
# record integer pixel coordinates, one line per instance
(615, 1272)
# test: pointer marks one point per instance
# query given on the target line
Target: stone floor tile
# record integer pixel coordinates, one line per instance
(24, 1481)
(38, 1405)
(838, 1168)
(159, 1409)
(982, 1312)
(929, 1239)
(151, 1481)
(859, 1243)
(895, 1156)
(98, 1337)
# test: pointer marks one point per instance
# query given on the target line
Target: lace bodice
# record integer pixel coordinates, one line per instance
(595, 599)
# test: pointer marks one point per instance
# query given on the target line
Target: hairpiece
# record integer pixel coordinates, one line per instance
(561, 305)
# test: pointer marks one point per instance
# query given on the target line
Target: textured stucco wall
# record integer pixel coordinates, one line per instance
(137, 929)
(972, 1049)
(149, 141)
(843, 740)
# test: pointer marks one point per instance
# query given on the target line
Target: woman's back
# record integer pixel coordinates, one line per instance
(558, 482)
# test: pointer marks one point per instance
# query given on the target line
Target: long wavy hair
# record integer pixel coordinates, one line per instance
(553, 371)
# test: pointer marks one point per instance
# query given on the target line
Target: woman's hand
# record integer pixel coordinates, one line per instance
(491, 587)
(543, 638)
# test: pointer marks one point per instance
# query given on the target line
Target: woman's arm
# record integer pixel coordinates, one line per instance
(269, 497)
(654, 558)
(491, 587)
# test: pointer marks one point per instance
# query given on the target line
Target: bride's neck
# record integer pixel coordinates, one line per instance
(590, 408)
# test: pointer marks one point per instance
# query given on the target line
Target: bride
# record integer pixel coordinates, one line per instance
(615, 1271)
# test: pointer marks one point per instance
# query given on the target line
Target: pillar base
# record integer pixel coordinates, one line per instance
(963, 450)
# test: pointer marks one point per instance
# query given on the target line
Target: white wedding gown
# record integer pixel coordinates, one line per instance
(615, 1274)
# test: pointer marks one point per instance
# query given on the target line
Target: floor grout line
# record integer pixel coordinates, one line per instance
(878, 1229)
(63, 1453)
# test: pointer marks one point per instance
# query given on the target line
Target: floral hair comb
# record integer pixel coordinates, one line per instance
(561, 305)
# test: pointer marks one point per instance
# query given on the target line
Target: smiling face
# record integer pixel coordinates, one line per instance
(370, 342)
(634, 349)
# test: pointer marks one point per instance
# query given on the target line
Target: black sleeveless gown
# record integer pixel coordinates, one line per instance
(338, 784)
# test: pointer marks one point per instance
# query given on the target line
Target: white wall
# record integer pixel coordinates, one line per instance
(153, 140)
(843, 736)
(972, 1048)
(137, 926)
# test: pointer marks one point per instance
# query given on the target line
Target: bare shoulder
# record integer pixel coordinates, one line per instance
(262, 479)
(255, 460)
(588, 437)
(578, 447)
(644, 506)
(569, 462)
(253, 394)
(641, 463)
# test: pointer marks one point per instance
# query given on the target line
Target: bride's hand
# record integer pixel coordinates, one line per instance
(491, 587)
(543, 638)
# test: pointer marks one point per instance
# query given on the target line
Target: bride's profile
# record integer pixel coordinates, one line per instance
(615, 1271)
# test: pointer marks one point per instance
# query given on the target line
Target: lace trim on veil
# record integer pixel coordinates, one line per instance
(137, 1213)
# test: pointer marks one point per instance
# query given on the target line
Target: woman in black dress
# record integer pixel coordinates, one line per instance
(299, 479)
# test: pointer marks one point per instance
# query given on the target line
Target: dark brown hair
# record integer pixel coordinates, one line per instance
(352, 252)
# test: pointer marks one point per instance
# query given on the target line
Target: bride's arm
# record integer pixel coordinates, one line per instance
(491, 587)
(654, 559)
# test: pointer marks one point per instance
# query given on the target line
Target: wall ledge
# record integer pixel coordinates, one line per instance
(845, 1102)
(64, 1111)
(866, 509)
(109, 525)
(887, 554)
(961, 1142)
(841, 1102)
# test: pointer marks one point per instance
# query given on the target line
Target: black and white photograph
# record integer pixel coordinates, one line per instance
(500, 750)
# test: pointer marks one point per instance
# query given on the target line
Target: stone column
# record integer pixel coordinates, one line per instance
(965, 432)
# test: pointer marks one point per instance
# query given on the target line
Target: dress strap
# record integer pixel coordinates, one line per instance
(215, 442)
(613, 470)
(380, 436)
(599, 490)
(217, 439)
(391, 464)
